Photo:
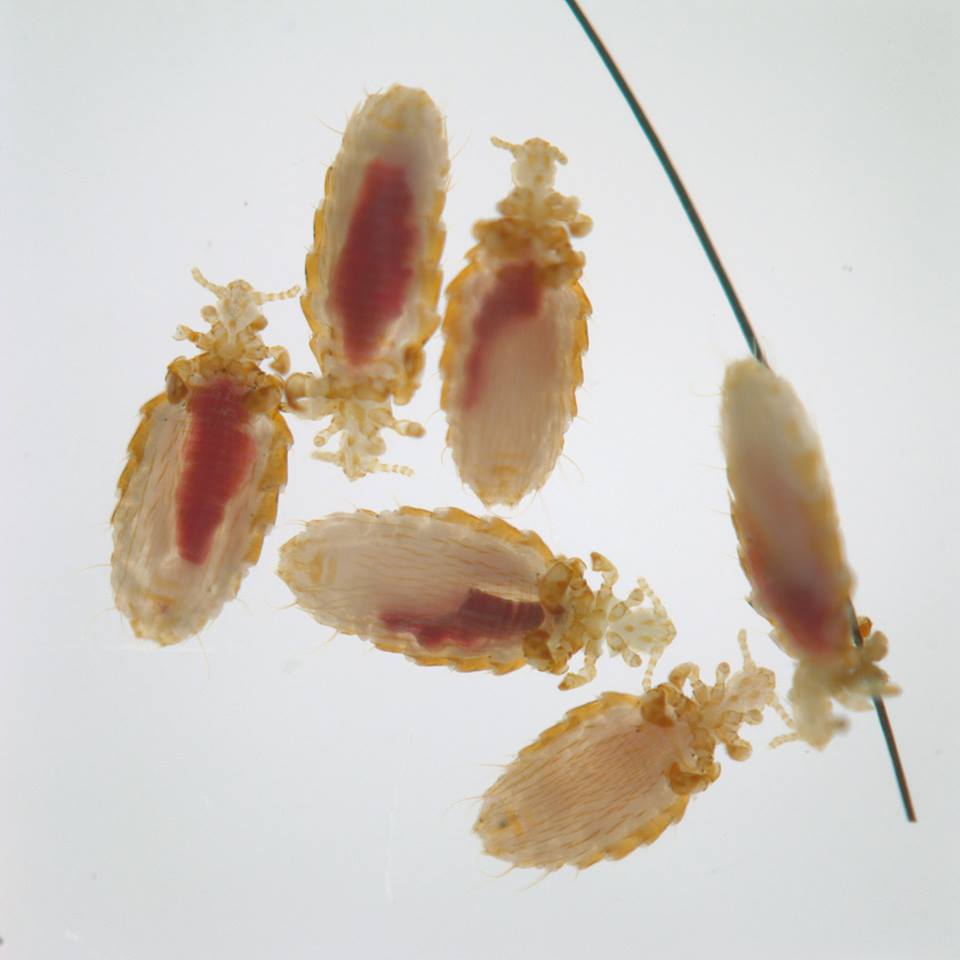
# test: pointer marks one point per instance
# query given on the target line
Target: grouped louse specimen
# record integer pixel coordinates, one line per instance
(204, 470)
(792, 553)
(515, 330)
(444, 587)
(373, 277)
(829, 667)
(613, 774)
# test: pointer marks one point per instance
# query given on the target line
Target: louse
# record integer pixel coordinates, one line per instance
(614, 773)
(791, 550)
(815, 682)
(515, 331)
(444, 587)
(204, 470)
(373, 277)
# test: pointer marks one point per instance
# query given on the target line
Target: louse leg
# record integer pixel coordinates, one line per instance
(595, 623)
(683, 672)
(718, 691)
(385, 420)
(359, 421)
(187, 333)
(632, 628)
(279, 360)
(781, 712)
(588, 671)
(785, 737)
(327, 433)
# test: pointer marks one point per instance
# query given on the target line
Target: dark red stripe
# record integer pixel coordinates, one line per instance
(481, 616)
(218, 454)
(373, 275)
(515, 297)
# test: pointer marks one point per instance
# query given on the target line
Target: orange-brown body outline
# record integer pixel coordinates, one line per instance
(496, 527)
(453, 333)
(732, 700)
(274, 476)
(593, 710)
(848, 674)
(581, 618)
(429, 280)
(522, 227)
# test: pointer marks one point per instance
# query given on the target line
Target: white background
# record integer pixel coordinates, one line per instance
(265, 791)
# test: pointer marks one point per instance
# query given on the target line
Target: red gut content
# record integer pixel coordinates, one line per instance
(376, 266)
(218, 455)
(480, 618)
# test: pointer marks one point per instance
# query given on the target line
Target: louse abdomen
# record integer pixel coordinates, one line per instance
(196, 499)
(784, 513)
(432, 588)
(594, 786)
(515, 332)
(480, 621)
(514, 298)
(810, 614)
(218, 455)
(376, 266)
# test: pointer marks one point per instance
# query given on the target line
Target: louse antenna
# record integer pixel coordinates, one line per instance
(287, 294)
(671, 171)
(214, 288)
(741, 316)
(220, 291)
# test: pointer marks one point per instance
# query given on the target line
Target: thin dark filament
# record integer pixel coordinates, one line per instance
(887, 730)
(741, 316)
(671, 171)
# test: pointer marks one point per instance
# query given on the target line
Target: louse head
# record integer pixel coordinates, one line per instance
(534, 162)
(852, 677)
(236, 323)
(734, 699)
(534, 202)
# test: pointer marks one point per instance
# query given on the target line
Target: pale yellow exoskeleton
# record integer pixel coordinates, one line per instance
(445, 587)
(615, 773)
(373, 276)
(515, 332)
(204, 471)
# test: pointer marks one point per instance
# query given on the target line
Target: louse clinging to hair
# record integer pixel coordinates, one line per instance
(792, 553)
(204, 471)
(373, 277)
(515, 331)
(444, 587)
(849, 673)
(616, 772)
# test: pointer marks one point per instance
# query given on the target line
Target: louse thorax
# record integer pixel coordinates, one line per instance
(615, 773)
(515, 332)
(373, 276)
(445, 587)
(204, 471)
(791, 550)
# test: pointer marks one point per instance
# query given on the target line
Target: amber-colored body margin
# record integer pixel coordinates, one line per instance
(581, 619)
(453, 334)
(404, 383)
(535, 222)
(651, 830)
(274, 475)
(493, 526)
(713, 714)
(563, 592)
(136, 449)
